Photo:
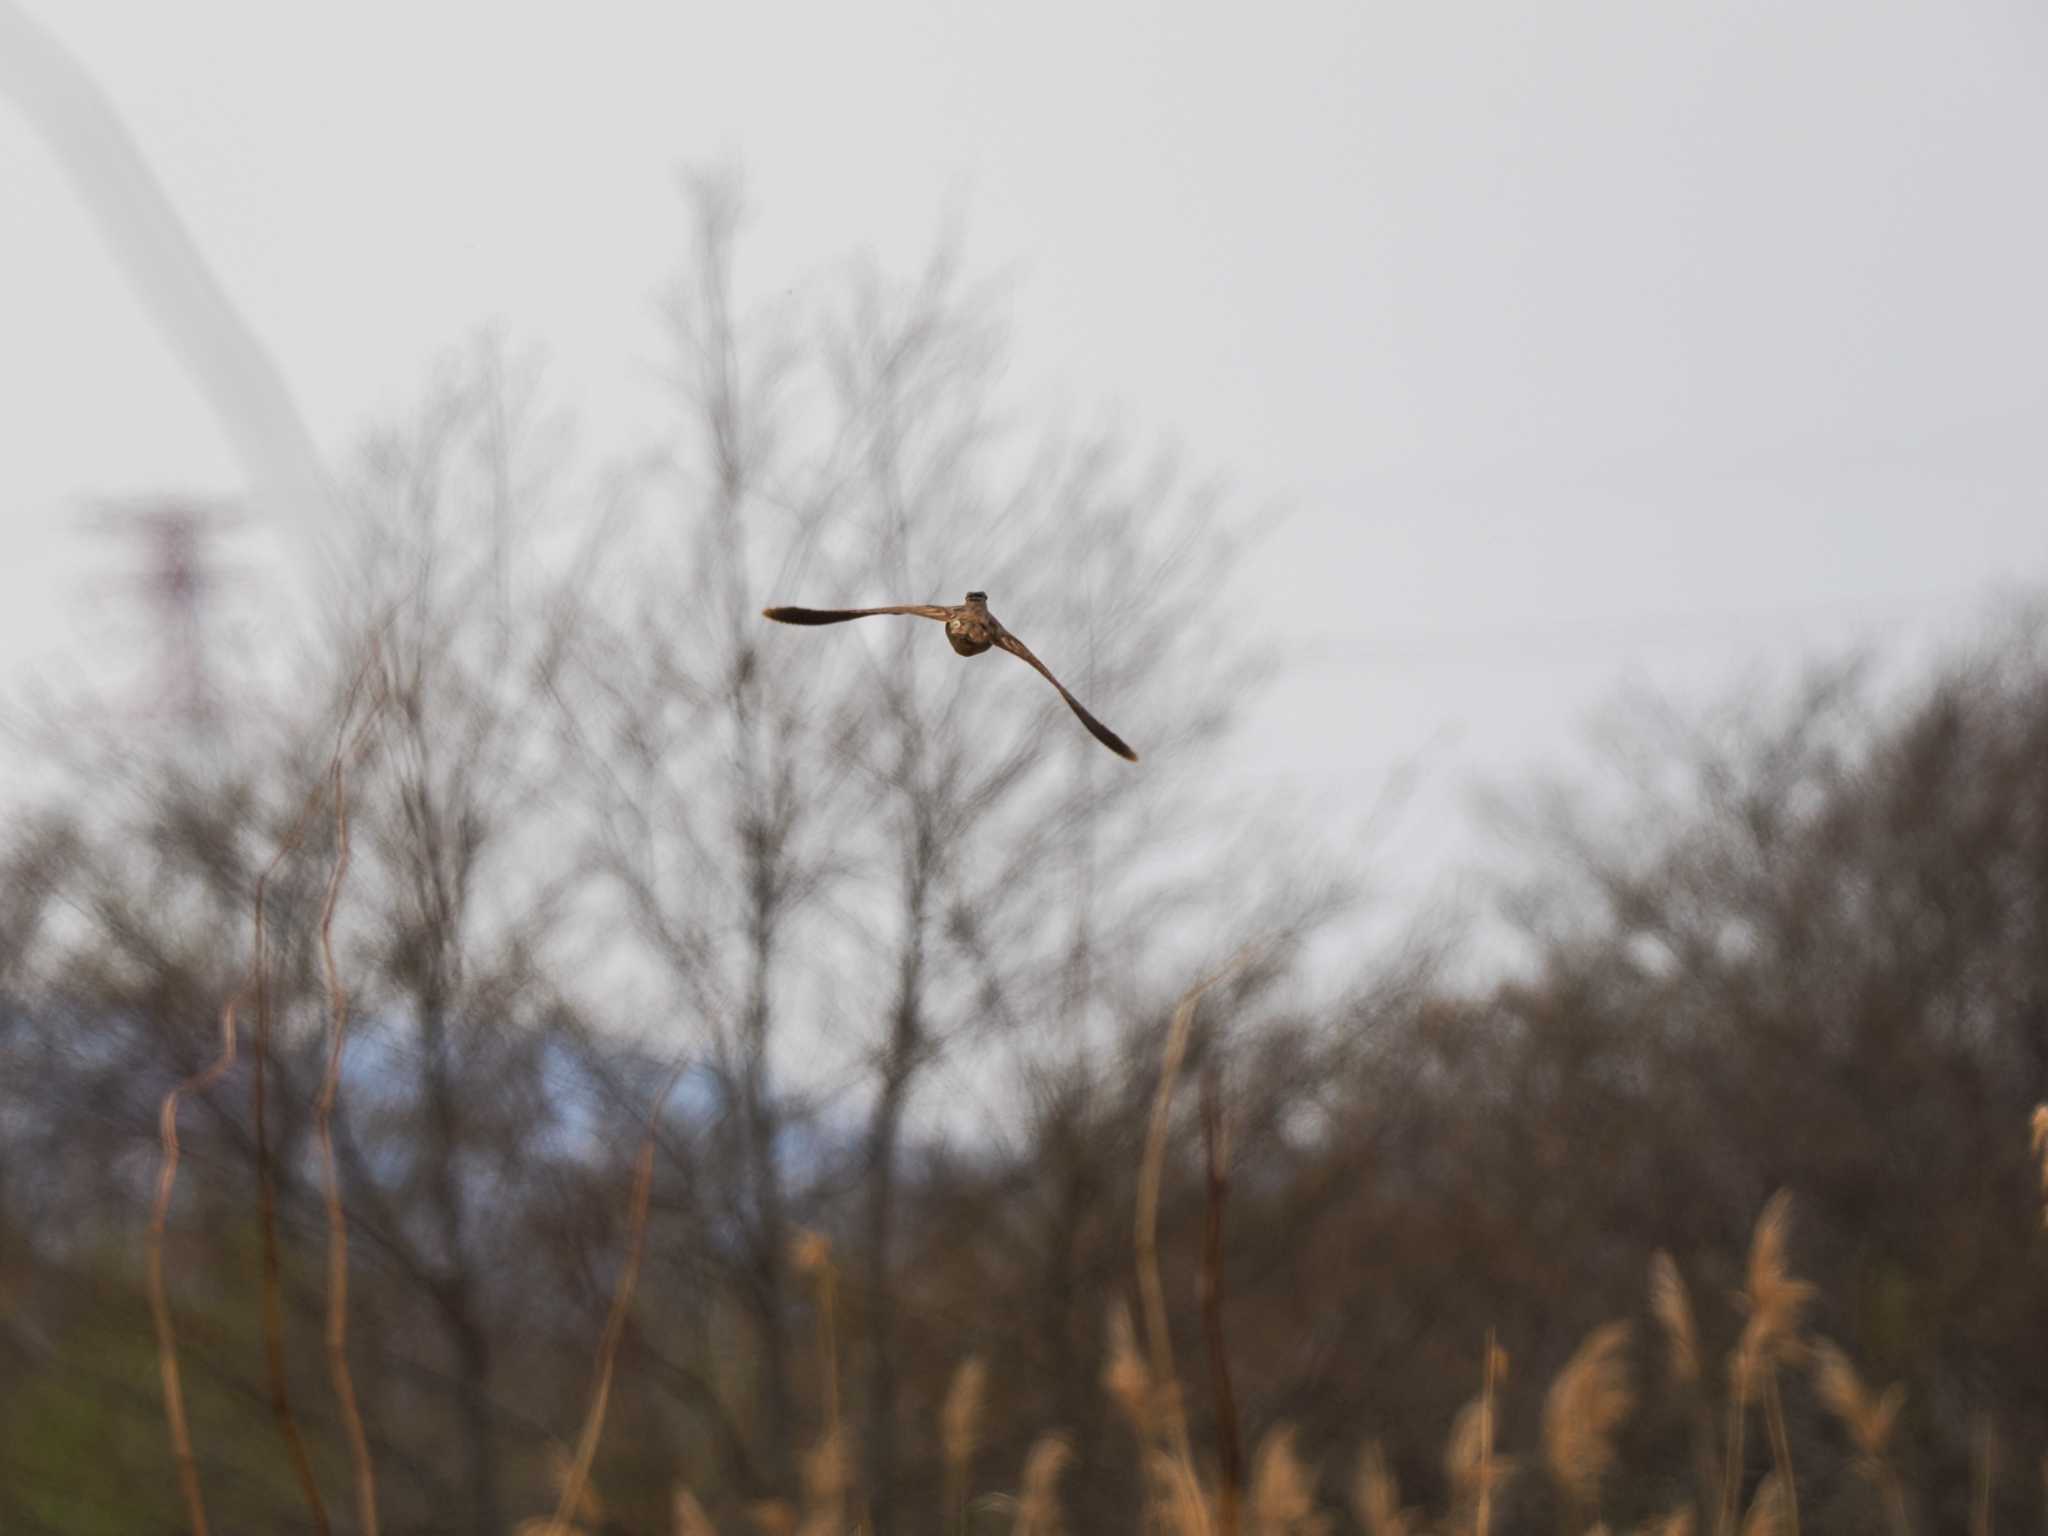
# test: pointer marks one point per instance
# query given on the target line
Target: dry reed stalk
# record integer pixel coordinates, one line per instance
(1983, 1465)
(584, 1519)
(1473, 1465)
(622, 1302)
(1766, 1515)
(1781, 1447)
(1587, 1402)
(1870, 1419)
(1376, 1497)
(337, 1223)
(2037, 1131)
(826, 1482)
(1466, 1464)
(167, 1179)
(1229, 1447)
(1127, 1379)
(959, 1429)
(1671, 1304)
(159, 1300)
(1146, 1237)
(1731, 1487)
(1673, 1310)
(1496, 1368)
(686, 1515)
(810, 1255)
(1776, 1302)
(1038, 1498)
(1178, 1503)
(1283, 1490)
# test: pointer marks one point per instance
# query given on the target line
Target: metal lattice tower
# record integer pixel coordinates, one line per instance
(179, 581)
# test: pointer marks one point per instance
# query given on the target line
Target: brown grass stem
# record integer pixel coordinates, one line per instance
(1483, 1521)
(153, 1252)
(167, 1179)
(1781, 1449)
(1731, 1487)
(1983, 1468)
(1229, 1447)
(960, 1433)
(1146, 1236)
(578, 1475)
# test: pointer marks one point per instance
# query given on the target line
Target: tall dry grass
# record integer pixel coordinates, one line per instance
(1584, 1407)
(1776, 1303)
(1376, 1497)
(255, 986)
(1869, 1417)
(153, 1265)
(2038, 1134)
(1189, 1492)
(959, 1431)
(1038, 1497)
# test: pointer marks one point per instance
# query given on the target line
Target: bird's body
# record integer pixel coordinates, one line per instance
(970, 630)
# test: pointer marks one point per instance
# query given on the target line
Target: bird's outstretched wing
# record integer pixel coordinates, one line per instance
(1096, 728)
(841, 615)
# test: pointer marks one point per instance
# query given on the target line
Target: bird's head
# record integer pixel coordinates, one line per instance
(977, 597)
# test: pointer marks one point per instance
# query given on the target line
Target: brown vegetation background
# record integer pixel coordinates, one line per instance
(755, 1040)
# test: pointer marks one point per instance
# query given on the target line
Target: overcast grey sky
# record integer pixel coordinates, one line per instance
(1590, 345)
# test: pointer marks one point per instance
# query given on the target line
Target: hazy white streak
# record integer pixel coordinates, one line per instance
(225, 358)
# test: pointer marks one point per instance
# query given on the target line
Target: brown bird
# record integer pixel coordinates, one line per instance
(971, 629)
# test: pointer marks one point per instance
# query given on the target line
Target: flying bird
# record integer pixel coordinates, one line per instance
(971, 629)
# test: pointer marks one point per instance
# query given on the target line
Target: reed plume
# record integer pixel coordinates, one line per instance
(1672, 1307)
(959, 1428)
(1283, 1499)
(1376, 1497)
(1768, 1511)
(1585, 1405)
(1126, 1377)
(1776, 1302)
(1038, 1500)
(2038, 1130)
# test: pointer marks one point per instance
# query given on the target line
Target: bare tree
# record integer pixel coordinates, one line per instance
(857, 852)
(466, 873)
